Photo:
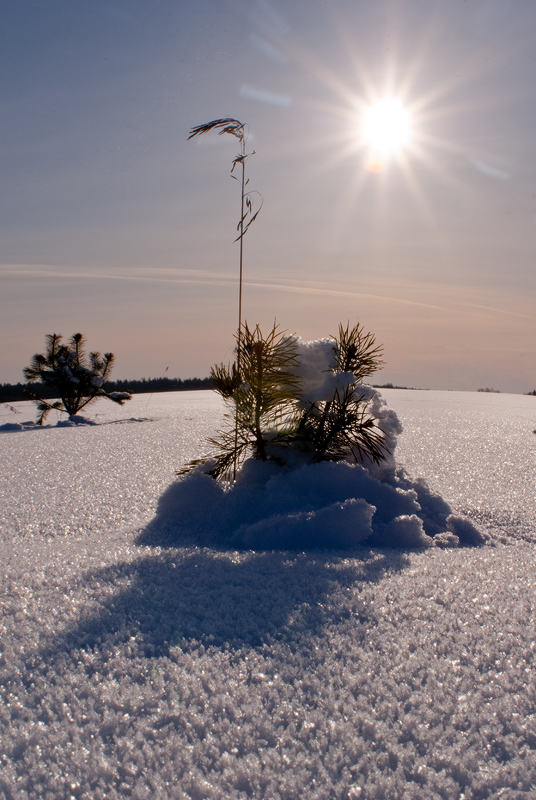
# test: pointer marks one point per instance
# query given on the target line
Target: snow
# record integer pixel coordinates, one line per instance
(315, 365)
(212, 672)
(324, 505)
(120, 395)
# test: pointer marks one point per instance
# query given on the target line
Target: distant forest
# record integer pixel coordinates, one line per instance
(12, 393)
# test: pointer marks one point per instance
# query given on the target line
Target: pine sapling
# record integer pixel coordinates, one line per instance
(274, 421)
(335, 429)
(261, 398)
(77, 378)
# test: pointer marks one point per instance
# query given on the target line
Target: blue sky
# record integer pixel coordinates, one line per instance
(113, 224)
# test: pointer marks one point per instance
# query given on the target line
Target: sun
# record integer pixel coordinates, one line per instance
(386, 127)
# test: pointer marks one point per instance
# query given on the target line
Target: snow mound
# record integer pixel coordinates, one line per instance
(74, 419)
(28, 425)
(288, 503)
(7, 427)
(332, 505)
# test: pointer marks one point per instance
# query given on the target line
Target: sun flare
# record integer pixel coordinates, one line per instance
(385, 127)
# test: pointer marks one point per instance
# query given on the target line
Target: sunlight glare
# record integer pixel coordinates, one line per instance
(386, 127)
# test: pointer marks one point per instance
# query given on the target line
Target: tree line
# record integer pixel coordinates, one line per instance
(12, 393)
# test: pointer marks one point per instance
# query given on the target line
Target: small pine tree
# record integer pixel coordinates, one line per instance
(342, 426)
(271, 417)
(261, 400)
(77, 378)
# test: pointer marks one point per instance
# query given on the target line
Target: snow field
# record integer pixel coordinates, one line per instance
(477, 450)
(96, 478)
(189, 672)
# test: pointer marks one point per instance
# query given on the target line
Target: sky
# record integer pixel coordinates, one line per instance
(113, 224)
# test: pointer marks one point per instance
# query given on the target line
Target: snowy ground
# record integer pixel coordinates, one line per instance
(131, 671)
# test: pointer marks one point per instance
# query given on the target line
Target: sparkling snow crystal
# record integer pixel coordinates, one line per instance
(217, 674)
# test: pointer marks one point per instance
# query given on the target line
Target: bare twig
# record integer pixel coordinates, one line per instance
(247, 216)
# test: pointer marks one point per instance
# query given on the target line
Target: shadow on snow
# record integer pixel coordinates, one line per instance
(191, 597)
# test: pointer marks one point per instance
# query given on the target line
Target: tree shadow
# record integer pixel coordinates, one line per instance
(190, 598)
(30, 425)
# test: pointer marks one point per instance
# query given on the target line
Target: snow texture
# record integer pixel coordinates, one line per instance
(201, 672)
(325, 505)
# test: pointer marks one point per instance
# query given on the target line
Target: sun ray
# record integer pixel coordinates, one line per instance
(439, 104)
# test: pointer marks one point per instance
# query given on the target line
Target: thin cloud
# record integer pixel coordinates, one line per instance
(251, 93)
(212, 278)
